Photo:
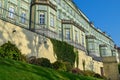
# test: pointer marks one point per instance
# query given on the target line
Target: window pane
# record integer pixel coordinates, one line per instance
(0, 6)
(11, 12)
(52, 20)
(42, 19)
(76, 36)
(67, 34)
(23, 17)
(60, 34)
(82, 39)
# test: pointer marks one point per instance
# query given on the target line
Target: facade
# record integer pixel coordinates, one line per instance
(15, 11)
(58, 19)
(62, 20)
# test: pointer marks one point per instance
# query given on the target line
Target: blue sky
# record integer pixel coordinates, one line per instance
(105, 14)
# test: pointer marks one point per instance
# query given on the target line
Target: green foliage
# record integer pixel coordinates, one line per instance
(89, 73)
(32, 60)
(16, 70)
(23, 58)
(59, 65)
(40, 61)
(68, 66)
(119, 67)
(43, 62)
(64, 51)
(76, 70)
(98, 76)
(10, 51)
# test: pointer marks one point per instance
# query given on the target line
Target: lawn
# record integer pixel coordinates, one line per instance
(15, 70)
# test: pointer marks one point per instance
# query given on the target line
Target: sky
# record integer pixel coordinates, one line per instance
(105, 14)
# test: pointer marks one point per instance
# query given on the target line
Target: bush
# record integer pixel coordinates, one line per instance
(59, 65)
(32, 60)
(89, 73)
(97, 75)
(23, 58)
(10, 51)
(76, 70)
(119, 67)
(68, 66)
(43, 62)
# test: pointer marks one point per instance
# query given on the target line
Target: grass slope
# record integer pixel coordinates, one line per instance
(15, 70)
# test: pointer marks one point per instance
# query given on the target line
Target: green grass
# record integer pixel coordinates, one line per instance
(15, 70)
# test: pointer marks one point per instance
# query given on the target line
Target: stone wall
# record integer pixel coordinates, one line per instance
(111, 68)
(32, 44)
(90, 64)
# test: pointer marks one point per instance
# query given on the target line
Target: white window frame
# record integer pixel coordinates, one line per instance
(1, 3)
(52, 20)
(83, 43)
(59, 14)
(23, 17)
(11, 13)
(42, 18)
(67, 34)
(76, 36)
(60, 34)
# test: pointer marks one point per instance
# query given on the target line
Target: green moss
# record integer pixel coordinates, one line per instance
(64, 51)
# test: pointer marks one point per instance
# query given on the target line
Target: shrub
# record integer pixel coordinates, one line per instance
(23, 58)
(89, 73)
(76, 70)
(32, 60)
(10, 51)
(97, 75)
(119, 67)
(43, 62)
(59, 65)
(68, 66)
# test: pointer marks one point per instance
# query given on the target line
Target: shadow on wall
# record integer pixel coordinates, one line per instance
(28, 42)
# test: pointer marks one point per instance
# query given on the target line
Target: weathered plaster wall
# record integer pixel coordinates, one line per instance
(30, 44)
(90, 64)
(111, 68)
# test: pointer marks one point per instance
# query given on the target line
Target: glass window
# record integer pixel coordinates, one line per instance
(60, 34)
(52, 20)
(67, 34)
(11, 12)
(42, 18)
(76, 36)
(82, 39)
(59, 2)
(91, 46)
(0, 4)
(23, 17)
(59, 14)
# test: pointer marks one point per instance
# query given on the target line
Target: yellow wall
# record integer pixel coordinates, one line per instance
(32, 44)
(111, 68)
(90, 64)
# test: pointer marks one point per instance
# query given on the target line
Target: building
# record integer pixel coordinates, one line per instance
(62, 20)
(58, 19)
(15, 11)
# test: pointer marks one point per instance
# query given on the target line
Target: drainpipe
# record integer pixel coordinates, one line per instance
(30, 15)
